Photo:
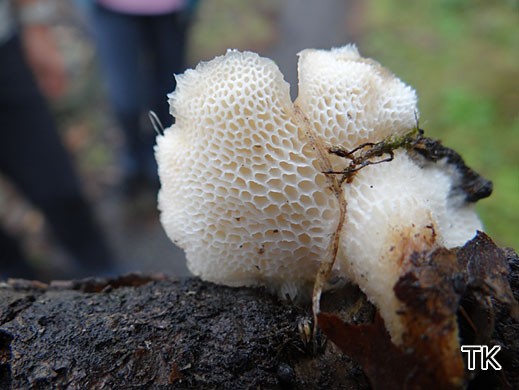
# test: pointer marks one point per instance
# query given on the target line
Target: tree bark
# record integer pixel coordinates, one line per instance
(143, 331)
(146, 331)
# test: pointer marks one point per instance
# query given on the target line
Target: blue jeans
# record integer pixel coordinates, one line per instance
(139, 56)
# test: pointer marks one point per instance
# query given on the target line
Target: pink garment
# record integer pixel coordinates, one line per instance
(143, 7)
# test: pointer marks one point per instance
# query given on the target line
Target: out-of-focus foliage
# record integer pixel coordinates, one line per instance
(462, 58)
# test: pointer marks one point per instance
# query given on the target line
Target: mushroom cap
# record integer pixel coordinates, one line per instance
(241, 192)
(351, 100)
(394, 208)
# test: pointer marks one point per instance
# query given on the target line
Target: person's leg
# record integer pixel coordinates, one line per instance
(166, 42)
(167, 38)
(119, 45)
(33, 157)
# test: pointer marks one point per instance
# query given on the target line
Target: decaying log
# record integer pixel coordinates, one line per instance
(139, 330)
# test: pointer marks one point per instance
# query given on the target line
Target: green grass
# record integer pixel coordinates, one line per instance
(462, 58)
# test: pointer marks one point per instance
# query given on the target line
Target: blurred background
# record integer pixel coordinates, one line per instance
(461, 56)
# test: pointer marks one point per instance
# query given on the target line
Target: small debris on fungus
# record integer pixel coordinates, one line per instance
(346, 179)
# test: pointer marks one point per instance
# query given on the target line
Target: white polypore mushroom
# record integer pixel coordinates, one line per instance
(393, 208)
(241, 193)
(351, 100)
(244, 192)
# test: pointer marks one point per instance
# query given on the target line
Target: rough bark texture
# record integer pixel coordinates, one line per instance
(144, 331)
(137, 331)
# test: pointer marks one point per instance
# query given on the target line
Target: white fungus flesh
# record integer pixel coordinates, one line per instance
(243, 192)
(240, 192)
(351, 100)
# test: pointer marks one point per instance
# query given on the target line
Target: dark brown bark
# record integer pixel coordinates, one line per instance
(151, 330)
(142, 331)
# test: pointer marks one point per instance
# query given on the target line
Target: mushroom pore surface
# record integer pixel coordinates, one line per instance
(243, 188)
(241, 191)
